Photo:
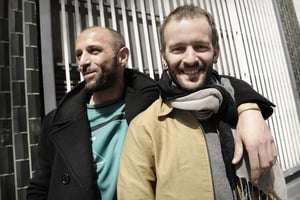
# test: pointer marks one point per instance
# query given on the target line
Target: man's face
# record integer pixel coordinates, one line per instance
(97, 59)
(189, 53)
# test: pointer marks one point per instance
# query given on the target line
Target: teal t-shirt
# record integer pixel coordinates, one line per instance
(108, 134)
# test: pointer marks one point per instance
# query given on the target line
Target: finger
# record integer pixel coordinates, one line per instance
(273, 153)
(238, 151)
(271, 147)
(254, 161)
(265, 157)
(271, 156)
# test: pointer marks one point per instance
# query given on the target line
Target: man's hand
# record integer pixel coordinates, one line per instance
(253, 132)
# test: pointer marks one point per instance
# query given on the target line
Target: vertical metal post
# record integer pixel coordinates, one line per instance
(47, 56)
(156, 42)
(65, 44)
(90, 13)
(147, 42)
(136, 36)
(101, 13)
(113, 14)
(77, 18)
(126, 32)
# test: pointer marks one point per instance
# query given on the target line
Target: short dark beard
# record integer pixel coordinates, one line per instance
(207, 80)
(108, 78)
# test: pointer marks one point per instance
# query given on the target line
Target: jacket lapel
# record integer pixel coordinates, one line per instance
(71, 136)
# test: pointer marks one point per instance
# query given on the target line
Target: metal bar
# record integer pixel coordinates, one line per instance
(137, 37)
(90, 13)
(242, 64)
(167, 7)
(232, 61)
(101, 13)
(160, 11)
(246, 43)
(202, 4)
(195, 2)
(207, 6)
(252, 53)
(77, 24)
(126, 32)
(147, 42)
(181, 2)
(47, 57)
(254, 48)
(77, 17)
(65, 44)
(113, 14)
(156, 42)
(174, 4)
(222, 65)
(237, 72)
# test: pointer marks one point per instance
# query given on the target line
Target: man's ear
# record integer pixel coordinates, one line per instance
(163, 59)
(123, 56)
(216, 54)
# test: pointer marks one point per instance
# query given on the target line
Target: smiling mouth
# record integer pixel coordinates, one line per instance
(88, 74)
(191, 71)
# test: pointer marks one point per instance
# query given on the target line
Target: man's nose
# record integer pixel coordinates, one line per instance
(84, 60)
(190, 57)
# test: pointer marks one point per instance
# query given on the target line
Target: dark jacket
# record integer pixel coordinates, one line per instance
(65, 162)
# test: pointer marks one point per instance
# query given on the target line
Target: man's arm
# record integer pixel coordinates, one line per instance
(252, 131)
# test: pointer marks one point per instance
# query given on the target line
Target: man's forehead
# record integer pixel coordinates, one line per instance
(96, 29)
(195, 19)
(95, 33)
(93, 37)
(185, 25)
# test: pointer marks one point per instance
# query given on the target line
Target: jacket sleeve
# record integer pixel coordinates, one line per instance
(136, 173)
(39, 184)
(244, 93)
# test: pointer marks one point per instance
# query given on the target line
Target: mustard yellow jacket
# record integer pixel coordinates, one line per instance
(169, 153)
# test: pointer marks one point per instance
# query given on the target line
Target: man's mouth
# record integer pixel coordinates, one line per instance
(191, 71)
(88, 73)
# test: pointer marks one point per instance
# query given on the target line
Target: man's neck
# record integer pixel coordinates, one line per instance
(107, 95)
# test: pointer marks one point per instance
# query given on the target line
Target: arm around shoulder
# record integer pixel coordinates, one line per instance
(244, 93)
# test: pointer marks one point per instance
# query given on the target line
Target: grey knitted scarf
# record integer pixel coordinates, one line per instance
(203, 104)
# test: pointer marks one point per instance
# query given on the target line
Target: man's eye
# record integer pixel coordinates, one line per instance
(200, 48)
(95, 51)
(178, 50)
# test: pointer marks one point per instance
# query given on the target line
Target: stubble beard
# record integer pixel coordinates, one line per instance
(180, 83)
(104, 78)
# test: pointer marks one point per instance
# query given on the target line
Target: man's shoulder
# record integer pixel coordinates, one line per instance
(153, 112)
(136, 78)
(77, 93)
(70, 104)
